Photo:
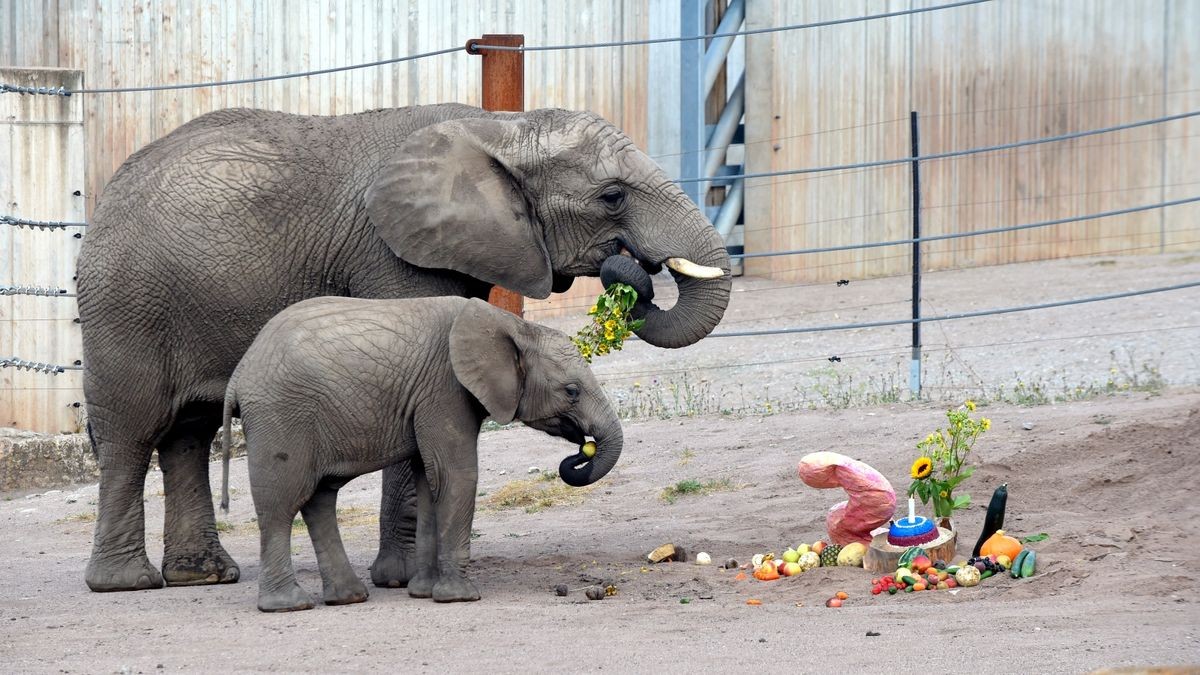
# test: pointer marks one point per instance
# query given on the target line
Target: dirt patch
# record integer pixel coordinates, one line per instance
(1094, 427)
(1108, 479)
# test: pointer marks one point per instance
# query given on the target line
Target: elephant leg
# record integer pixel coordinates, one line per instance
(192, 554)
(341, 585)
(425, 576)
(278, 590)
(396, 562)
(118, 561)
(455, 509)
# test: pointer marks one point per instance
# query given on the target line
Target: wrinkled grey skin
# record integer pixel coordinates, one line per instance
(205, 234)
(333, 388)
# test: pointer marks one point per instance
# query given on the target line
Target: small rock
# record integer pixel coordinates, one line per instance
(872, 633)
(534, 469)
(731, 564)
(47, 493)
(703, 558)
(502, 472)
(707, 595)
(594, 593)
(71, 499)
(561, 590)
(1027, 426)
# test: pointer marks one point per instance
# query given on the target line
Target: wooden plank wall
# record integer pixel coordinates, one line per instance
(141, 42)
(41, 172)
(979, 75)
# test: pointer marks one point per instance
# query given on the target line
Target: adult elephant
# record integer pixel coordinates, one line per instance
(205, 234)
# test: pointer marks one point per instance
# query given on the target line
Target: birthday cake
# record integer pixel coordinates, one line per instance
(912, 531)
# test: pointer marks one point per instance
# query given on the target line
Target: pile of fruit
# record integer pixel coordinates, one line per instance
(916, 572)
(804, 557)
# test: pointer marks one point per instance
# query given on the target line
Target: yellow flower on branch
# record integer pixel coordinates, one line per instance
(944, 494)
(985, 424)
(970, 405)
(922, 468)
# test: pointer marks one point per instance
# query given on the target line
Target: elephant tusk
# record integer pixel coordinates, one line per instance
(690, 269)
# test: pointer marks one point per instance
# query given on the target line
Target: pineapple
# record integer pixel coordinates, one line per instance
(829, 555)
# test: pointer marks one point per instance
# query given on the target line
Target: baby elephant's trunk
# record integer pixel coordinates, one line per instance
(226, 445)
(579, 469)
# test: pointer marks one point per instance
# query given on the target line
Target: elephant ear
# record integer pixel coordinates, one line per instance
(451, 200)
(486, 359)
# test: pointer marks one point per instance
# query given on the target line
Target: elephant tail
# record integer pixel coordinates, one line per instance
(227, 445)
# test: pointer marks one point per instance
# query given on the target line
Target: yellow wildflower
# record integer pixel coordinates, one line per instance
(601, 349)
(593, 310)
(944, 494)
(970, 405)
(610, 325)
(985, 424)
(609, 335)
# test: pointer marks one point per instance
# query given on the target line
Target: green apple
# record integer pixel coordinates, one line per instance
(802, 549)
(791, 555)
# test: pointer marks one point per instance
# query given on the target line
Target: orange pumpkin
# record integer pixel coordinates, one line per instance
(1001, 544)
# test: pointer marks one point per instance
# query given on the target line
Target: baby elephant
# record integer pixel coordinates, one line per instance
(333, 388)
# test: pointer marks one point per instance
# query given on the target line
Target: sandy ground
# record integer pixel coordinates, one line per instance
(1110, 478)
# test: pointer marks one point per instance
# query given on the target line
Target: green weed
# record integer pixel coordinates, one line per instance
(695, 487)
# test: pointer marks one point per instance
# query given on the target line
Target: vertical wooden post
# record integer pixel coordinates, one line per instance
(503, 91)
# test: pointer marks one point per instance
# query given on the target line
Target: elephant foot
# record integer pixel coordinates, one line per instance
(423, 583)
(392, 569)
(454, 587)
(290, 599)
(209, 565)
(110, 574)
(347, 592)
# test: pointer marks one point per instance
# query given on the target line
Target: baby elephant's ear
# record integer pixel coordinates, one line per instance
(486, 359)
(451, 198)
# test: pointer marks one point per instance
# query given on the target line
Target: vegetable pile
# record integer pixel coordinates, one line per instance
(918, 573)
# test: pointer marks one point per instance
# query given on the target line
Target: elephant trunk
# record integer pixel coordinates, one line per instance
(580, 469)
(701, 302)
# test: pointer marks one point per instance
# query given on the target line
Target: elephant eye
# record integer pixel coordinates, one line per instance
(573, 391)
(613, 196)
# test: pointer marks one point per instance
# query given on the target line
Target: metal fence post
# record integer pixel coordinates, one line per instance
(914, 368)
(692, 131)
(503, 91)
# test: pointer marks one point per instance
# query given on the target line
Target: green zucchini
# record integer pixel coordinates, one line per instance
(995, 517)
(985, 574)
(951, 570)
(1015, 568)
(1028, 563)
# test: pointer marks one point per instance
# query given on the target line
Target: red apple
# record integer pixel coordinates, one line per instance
(790, 569)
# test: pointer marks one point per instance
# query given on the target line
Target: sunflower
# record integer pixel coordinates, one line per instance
(922, 468)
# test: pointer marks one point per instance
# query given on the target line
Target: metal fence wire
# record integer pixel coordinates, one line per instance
(44, 291)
